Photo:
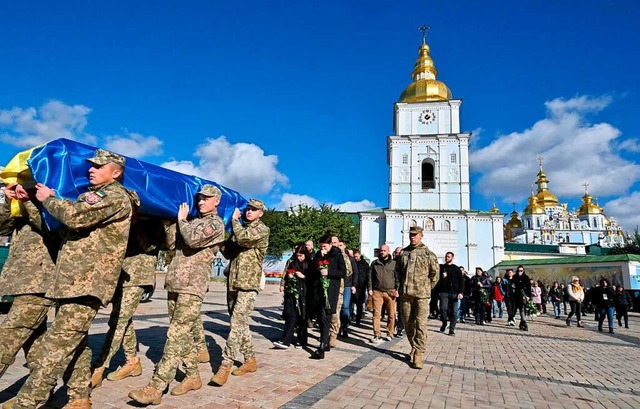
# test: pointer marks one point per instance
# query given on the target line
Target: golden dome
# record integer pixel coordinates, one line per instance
(425, 87)
(514, 222)
(494, 209)
(588, 207)
(533, 207)
(545, 197)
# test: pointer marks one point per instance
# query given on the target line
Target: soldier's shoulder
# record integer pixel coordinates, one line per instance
(261, 227)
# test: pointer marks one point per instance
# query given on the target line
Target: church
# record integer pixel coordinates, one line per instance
(428, 159)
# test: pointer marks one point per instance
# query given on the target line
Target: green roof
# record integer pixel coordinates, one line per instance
(571, 260)
(531, 248)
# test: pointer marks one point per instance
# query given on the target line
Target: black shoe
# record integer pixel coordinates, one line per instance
(610, 330)
(462, 321)
(452, 333)
(443, 327)
(619, 323)
(326, 348)
(626, 326)
(600, 328)
(400, 333)
(525, 327)
(319, 354)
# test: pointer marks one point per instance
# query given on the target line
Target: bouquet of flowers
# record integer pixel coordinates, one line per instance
(291, 283)
(323, 265)
(529, 306)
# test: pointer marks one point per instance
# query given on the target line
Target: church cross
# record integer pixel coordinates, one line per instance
(540, 158)
(586, 186)
(514, 206)
(424, 30)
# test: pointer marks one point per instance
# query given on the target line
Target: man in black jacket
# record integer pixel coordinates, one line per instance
(522, 291)
(451, 287)
(361, 287)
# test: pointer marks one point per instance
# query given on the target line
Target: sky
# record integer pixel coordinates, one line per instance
(292, 101)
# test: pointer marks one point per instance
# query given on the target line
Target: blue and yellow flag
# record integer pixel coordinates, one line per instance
(62, 165)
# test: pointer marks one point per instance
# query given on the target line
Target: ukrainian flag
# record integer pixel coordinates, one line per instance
(62, 165)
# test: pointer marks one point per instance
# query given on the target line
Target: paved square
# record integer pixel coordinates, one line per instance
(551, 366)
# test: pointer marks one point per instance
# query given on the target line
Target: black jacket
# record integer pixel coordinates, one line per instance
(452, 282)
(336, 272)
(603, 297)
(623, 299)
(555, 294)
(364, 272)
(521, 287)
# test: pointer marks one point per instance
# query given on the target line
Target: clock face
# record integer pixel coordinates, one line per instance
(426, 117)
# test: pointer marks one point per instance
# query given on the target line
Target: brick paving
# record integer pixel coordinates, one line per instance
(551, 366)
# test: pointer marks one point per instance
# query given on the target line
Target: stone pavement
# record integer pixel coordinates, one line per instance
(551, 366)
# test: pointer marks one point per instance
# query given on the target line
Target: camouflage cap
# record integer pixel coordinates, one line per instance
(210, 191)
(103, 157)
(256, 204)
(415, 230)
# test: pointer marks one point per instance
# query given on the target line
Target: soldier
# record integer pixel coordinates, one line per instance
(417, 269)
(245, 251)
(138, 275)
(26, 275)
(196, 243)
(86, 275)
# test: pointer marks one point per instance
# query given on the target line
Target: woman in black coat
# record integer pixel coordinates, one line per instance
(295, 292)
(522, 289)
(327, 271)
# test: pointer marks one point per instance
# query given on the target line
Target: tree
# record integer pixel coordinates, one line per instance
(631, 246)
(302, 223)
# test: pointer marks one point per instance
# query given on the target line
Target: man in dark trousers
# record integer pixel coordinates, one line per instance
(451, 286)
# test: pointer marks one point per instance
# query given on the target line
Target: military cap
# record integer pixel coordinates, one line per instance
(256, 204)
(210, 191)
(415, 230)
(103, 157)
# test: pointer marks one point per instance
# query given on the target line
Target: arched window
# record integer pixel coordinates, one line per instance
(446, 225)
(428, 224)
(413, 223)
(428, 176)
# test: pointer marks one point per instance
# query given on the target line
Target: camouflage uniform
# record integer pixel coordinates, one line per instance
(138, 273)
(187, 282)
(27, 275)
(245, 253)
(418, 271)
(86, 275)
(335, 318)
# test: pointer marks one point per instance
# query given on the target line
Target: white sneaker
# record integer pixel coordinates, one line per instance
(280, 345)
(387, 338)
(376, 340)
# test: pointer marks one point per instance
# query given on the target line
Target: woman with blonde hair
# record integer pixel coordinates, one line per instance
(576, 296)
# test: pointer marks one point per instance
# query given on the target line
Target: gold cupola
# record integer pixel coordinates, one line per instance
(425, 87)
(514, 222)
(533, 207)
(587, 206)
(495, 208)
(545, 197)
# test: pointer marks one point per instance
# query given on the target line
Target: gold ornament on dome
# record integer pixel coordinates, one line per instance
(425, 87)
(587, 206)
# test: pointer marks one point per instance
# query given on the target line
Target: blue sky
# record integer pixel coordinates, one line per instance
(289, 100)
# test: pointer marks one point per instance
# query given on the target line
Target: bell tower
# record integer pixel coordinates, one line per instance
(428, 157)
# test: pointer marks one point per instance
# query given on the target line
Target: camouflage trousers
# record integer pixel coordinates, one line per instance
(121, 330)
(25, 322)
(240, 304)
(184, 314)
(63, 347)
(416, 311)
(335, 319)
(198, 335)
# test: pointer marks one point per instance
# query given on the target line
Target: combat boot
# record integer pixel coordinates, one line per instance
(249, 365)
(132, 367)
(84, 403)
(147, 395)
(192, 383)
(96, 377)
(418, 359)
(203, 356)
(220, 377)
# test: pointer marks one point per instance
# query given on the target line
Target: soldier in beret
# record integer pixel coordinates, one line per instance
(418, 272)
(86, 275)
(245, 252)
(196, 242)
(27, 275)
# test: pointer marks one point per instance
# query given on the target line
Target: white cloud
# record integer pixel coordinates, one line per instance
(630, 145)
(241, 166)
(28, 127)
(574, 150)
(625, 211)
(134, 145)
(289, 200)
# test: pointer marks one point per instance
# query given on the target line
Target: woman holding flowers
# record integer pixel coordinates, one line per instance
(328, 269)
(294, 288)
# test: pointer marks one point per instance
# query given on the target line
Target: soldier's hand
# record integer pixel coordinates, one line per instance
(43, 192)
(236, 214)
(10, 191)
(183, 211)
(21, 193)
